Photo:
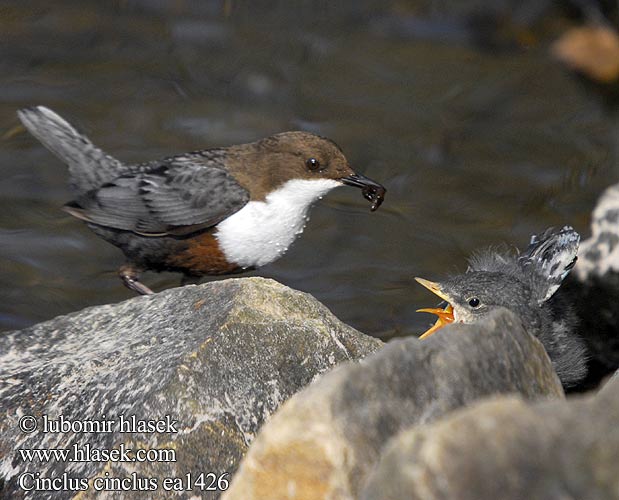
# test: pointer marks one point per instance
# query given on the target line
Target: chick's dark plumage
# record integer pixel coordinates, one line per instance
(526, 285)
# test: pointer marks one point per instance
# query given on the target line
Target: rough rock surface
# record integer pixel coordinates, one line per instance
(510, 449)
(325, 440)
(218, 358)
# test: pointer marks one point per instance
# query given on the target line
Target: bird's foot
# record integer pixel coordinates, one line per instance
(131, 279)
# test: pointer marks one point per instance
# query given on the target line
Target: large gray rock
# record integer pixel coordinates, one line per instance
(510, 449)
(218, 358)
(325, 440)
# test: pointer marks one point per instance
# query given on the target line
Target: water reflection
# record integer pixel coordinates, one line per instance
(477, 143)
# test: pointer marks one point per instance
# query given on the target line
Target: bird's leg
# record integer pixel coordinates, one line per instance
(131, 279)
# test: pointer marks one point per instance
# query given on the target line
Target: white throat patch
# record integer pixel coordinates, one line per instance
(262, 231)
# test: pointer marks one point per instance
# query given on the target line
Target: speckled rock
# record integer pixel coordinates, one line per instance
(325, 440)
(217, 358)
(510, 449)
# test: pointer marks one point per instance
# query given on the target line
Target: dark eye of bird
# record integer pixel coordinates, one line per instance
(312, 164)
(474, 302)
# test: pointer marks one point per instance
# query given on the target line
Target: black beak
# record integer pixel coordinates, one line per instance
(372, 191)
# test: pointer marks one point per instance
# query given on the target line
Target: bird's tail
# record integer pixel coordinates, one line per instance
(89, 167)
(551, 256)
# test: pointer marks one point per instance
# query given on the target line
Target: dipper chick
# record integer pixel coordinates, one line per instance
(209, 212)
(525, 284)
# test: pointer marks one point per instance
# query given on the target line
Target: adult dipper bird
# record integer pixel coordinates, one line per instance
(209, 212)
(525, 284)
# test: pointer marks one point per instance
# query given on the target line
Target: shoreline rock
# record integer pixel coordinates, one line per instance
(324, 441)
(507, 448)
(218, 358)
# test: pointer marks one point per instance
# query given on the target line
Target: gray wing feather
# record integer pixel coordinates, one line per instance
(192, 194)
(164, 199)
(119, 206)
(89, 167)
(549, 259)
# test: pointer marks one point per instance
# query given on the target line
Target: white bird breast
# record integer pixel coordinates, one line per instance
(262, 231)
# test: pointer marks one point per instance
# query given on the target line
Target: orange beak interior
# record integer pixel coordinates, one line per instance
(445, 316)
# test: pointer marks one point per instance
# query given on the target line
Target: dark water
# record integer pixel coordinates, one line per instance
(477, 145)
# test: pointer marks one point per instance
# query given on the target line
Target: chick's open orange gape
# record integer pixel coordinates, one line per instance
(522, 282)
(445, 316)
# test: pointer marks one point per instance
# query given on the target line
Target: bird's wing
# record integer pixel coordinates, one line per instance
(89, 167)
(549, 259)
(165, 198)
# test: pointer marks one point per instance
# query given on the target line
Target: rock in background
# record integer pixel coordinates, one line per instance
(509, 449)
(218, 358)
(324, 441)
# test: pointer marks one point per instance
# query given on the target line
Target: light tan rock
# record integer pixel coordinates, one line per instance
(324, 441)
(510, 449)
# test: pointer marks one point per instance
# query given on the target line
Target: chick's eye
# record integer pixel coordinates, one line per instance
(312, 164)
(474, 302)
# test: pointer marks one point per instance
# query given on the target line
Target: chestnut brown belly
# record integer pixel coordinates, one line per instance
(196, 255)
(202, 256)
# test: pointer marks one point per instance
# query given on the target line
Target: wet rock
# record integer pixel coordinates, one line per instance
(218, 359)
(325, 440)
(510, 449)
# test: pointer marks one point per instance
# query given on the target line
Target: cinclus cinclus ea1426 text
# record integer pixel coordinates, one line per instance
(525, 284)
(210, 212)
